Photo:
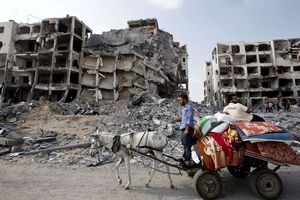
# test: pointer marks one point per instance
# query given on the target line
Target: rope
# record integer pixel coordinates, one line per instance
(154, 149)
(162, 161)
(158, 170)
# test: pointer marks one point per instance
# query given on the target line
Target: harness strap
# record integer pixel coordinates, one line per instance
(154, 149)
(162, 161)
(145, 133)
(129, 145)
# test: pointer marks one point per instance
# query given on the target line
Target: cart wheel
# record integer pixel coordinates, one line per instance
(265, 183)
(207, 184)
(239, 172)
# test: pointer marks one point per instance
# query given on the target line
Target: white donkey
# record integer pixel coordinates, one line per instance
(123, 145)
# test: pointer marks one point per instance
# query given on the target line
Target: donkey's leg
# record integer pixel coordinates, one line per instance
(127, 163)
(117, 169)
(160, 156)
(152, 172)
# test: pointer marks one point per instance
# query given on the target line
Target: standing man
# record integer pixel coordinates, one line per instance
(186, 128)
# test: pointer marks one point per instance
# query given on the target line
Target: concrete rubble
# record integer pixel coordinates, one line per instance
(152, 113)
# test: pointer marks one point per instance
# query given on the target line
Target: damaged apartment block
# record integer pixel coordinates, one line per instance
(60, 60)
(43, 60)
(7, 33)
(60, 54)
(119, 64)
(255, 71)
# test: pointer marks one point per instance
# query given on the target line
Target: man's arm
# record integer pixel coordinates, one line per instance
(245, 108)
(197, 132)
(187, 130)
(190, 121)
(225, 110)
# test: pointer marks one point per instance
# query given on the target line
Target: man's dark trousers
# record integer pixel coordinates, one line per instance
(187, 141)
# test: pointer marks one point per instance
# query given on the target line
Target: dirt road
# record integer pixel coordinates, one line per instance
(40, 181)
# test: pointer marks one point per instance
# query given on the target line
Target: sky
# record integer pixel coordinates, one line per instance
(200, 24)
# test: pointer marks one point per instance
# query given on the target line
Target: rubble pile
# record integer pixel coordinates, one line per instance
(45, 130)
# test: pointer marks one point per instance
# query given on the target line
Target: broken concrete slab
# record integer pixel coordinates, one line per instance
(8, 142)
(4, 151)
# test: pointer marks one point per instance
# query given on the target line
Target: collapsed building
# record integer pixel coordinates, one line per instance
(254, 71)
(59, 59)
(121, 63)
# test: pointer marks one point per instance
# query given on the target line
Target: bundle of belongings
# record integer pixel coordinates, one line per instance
(225, 143)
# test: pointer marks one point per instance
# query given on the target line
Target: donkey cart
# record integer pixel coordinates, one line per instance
(245, 149)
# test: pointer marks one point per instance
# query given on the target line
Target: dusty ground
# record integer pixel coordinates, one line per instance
(39, 181)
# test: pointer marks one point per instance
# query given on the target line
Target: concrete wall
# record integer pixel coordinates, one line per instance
(7, 30)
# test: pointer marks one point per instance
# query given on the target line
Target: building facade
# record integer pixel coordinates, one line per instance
(44, 60)
(7, 33)
(208, 84)
(256, 71)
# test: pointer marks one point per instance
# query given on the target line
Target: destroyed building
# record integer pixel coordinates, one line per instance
(44, 61)
(255, 71)
(208, 83)
(60, 60)
(121, 63)
(7, 33)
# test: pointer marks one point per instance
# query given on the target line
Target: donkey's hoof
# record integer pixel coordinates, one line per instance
(126, 187)
(147, 185)
(120, 181)
(172, 187)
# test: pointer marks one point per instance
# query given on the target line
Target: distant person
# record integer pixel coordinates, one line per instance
(286, 104)
(186, 128)
(278, 103)
(239, 111)
(266, 104)
(270, 107)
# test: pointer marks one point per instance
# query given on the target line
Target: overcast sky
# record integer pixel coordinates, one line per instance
(198, 23)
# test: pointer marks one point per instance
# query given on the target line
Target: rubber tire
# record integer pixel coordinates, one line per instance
(239, 173)
(265, 183)
(204, 181)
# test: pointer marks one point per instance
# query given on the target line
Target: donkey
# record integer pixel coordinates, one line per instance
(126, 144)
